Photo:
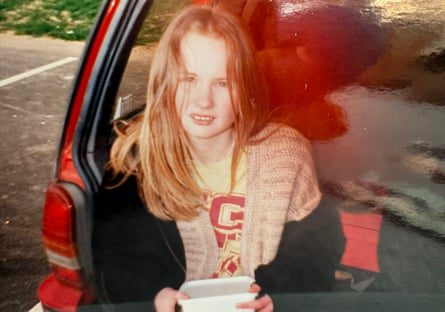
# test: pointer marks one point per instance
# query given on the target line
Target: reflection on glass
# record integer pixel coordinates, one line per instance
(365, 81)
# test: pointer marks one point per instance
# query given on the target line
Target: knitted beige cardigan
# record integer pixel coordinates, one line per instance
(281, 186)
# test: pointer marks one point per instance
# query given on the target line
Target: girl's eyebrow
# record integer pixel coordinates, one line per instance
(186, 73)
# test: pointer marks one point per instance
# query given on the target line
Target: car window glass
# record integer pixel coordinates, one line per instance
(132, 89)
(364, 82)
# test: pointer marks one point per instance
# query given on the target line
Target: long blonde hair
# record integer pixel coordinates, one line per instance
(155, 148)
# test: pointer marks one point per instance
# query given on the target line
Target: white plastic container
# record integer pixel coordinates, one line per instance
(217, 295)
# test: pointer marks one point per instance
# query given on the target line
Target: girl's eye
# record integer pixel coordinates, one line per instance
(222, 84)
(187, 79)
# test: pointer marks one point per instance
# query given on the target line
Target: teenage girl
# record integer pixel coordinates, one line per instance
(205, 155)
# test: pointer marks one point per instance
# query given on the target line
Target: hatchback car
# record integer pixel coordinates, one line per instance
(363, 80)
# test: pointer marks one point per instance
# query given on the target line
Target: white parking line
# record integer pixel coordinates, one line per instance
(37, 308)
(36, 71)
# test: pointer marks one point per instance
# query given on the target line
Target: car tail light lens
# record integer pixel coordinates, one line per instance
(59, 235)
(68, 276)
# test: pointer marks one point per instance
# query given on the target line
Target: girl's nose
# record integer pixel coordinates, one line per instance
(204, 95)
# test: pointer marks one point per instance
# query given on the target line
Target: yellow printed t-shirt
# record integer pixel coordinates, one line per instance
(226, 210)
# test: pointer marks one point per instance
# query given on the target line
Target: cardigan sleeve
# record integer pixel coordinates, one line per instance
(312, 241)
(292, 151)
(306, 194)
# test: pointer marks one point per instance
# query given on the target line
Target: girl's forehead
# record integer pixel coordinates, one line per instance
(196, 39)
(198, 48)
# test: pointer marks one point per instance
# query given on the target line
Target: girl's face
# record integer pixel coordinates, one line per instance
(203, 99)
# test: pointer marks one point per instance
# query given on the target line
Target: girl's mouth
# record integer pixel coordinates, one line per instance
(202, 119)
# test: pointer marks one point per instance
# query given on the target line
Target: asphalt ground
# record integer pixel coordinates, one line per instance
(31, 113)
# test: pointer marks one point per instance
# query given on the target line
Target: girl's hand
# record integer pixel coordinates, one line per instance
(166, 299)
(262, 304)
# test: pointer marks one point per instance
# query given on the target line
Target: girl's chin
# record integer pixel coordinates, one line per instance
(206, 133)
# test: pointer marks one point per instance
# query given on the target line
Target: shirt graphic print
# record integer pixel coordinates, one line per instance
(227, 216)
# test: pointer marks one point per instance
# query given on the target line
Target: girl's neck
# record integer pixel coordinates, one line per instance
(207, 151)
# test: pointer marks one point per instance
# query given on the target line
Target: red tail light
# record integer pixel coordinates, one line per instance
(69, 277)
(59, 235)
